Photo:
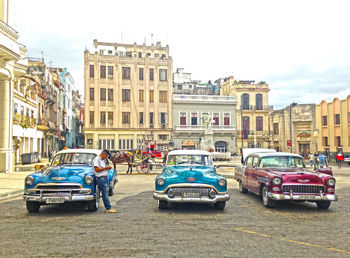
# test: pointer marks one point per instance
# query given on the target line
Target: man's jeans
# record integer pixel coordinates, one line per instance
(103, 185)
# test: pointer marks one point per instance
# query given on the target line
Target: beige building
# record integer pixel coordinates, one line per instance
(252, 111)
(13, 64)
(128, 96)
(333, 121)
(293, 129)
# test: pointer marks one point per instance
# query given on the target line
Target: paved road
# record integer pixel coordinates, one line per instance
(244, 229)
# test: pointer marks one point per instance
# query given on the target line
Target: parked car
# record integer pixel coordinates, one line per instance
(280, 176)
(190, 176)
(69, 178)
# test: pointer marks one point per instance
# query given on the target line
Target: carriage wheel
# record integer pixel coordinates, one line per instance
(143, 168)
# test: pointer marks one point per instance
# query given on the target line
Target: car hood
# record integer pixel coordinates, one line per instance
(65, 174)
(297, 175)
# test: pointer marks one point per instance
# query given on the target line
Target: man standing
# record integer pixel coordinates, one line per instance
(101, 173)
(339, 159)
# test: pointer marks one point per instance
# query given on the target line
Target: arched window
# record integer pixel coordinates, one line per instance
(259, 102)
(259, 123)
(221, 146)
(245, 101)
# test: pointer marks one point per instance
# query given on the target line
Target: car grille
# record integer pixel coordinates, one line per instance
(59, 188)
(180, 190)
(303, 189)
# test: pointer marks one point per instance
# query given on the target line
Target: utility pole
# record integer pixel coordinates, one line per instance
(242, 133)
(290, 125)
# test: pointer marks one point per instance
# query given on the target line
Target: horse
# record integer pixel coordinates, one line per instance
(120, 157)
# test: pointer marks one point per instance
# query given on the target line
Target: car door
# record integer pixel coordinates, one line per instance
(248, 171)
(253, 175)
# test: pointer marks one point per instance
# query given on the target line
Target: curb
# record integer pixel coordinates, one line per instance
(9, 196)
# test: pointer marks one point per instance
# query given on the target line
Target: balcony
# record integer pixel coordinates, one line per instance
(202, 128)
(9, 48)
(43, 124)
(257, 107)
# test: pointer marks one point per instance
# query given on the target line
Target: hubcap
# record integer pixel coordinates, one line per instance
(265, 195)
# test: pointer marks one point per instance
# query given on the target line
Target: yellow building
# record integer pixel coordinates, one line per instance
(252, 111)
(333, 119)
(128, 96)
(13, 64)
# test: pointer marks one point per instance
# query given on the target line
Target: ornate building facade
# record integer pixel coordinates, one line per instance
(128, 96)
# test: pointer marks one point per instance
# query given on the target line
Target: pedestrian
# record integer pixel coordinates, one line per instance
(165, 155)
(311, 159)
(322, 160)
(315, 160)
(131, 161)
(101, 174)
(340, 158)
(50, 154)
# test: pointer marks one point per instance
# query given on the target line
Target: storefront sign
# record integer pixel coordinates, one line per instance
(188, 143)
(304, 134)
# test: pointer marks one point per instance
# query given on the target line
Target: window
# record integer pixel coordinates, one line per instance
(141, 96)
(103, 94)
(216, 119)
(140, 54)
(245, 101)
(163, 137)
(179, 87)
(324, 120)
(245, 127)
(163, 96)
(325, 141)
(126, 117)
(151, 74)
(151, 96)
(125, 95)
(110, 94)
(92, 95)
(102, 71)
(92, 72)
(110, 52)
(221, 146)
(337, 119)
(110, 72)
(110, 118)
(259, 123)
(101, 51)
(182, 118)
(141, 117)
(126, 144)
(338, 141)
(126, 73)
(226, 118)
(151, 118)
(194, 119)
(259, 102)
(141, 74)
(275, 128)
(102, 118)
(106, 144)
(162, 118)
(163, 75)
(22, 85)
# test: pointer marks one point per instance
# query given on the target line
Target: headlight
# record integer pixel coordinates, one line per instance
(212, 193)
(276, 181)
(171, 192)
(331, 182)
(160, 181)
(88, 180)
(29, 180)
(222, 182)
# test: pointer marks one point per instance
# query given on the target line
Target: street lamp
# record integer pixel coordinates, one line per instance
(290, 125)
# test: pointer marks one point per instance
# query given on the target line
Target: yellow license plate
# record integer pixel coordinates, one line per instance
(55, 200)
(191, 195)
(307, 197)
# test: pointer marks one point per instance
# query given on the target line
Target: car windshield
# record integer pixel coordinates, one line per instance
(199, 160)
(74, 158)
(281, 162)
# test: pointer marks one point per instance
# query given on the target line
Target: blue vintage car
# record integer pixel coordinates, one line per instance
(190, 176)
(69, 178)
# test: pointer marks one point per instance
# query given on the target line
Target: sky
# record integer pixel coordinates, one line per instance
(300, 48)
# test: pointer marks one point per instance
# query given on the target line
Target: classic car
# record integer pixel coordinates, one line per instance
(279, 176)
(190, 176)
(69, 178)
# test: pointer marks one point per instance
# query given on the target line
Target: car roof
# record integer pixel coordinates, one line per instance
(188, 152)
(275, 154)
(92, 151)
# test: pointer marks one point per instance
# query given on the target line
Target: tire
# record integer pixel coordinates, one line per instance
(162, 204)
(268, 203)
(143, 168)
(220, 205)
(111, 189)
(323, 204)
(33, 207)
(242, 189)
(93, 205)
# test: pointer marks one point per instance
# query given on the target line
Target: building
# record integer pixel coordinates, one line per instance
(128, 89)
(13, 64)
(293, 129)
(252, 111)
(190, 113)
(333, 122)
(77, 121)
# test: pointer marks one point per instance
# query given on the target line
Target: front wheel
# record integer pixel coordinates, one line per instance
(33, 207)
(269, 203)
(93, 205)
(323, 204)
(220, 205)
(143, 168)
(111, 189)
(162, 204)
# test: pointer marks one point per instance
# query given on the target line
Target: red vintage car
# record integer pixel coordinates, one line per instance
(279, 176)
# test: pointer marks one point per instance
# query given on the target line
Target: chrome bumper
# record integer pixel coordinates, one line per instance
(67, 198)
(202, 199)
(303, 197)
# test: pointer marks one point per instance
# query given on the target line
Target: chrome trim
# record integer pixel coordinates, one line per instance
(37, 191)
(202, 199)
(191, 185)
(291, 196)
(60, 184)
(302, 185)
(67, 198)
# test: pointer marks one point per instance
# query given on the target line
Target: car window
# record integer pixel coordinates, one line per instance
(255, 161)
(73, 159)
(249, 162)
(281, 162)
(196, 160)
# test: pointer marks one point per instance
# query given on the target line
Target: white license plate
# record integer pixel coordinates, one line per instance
(307, 197)
(191, 195)
(55, 200)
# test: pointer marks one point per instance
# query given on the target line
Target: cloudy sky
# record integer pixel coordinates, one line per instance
(300, 48)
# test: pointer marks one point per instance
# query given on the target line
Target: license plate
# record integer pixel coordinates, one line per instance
(307, 197)
(191, 195)
(55, 200)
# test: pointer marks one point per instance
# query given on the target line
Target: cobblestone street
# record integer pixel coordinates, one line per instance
(245, 228)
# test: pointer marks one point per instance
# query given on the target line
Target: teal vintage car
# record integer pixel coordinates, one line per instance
(190, 176)
(69, 178)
